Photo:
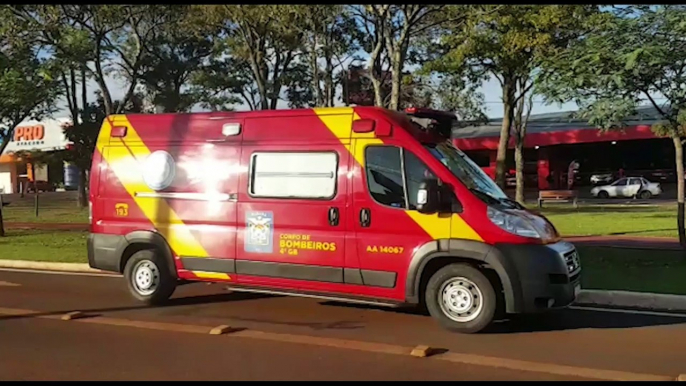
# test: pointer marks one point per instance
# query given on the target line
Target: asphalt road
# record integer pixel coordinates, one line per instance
(284, 338)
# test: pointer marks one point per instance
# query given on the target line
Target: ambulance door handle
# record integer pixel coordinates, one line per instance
(333, 216)
(365, 217)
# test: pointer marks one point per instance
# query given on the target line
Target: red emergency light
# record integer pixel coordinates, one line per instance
(118, 132)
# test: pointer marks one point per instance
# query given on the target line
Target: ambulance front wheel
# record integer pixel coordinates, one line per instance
(461, 298)
(148, 278)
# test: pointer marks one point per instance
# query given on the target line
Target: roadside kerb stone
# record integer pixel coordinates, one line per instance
(630, 299)
(49, 266)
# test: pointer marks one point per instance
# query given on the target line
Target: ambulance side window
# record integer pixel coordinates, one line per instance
(385, 176)
(306, 175)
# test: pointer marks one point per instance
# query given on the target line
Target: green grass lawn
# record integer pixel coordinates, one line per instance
(607, 268)
(45, 215)
(53, 207)
(38, 245)
(605, 220)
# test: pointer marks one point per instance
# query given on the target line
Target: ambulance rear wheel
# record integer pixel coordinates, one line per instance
(461, 298)
(148, 278)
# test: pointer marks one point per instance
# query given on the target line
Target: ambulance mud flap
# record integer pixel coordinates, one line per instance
(468, 250)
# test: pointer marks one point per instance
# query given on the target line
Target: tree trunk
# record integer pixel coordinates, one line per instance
(679, 158)
(508, 91)
(329, 87)
(82, 196)
(316, 89)
(100, 79)
(2, 224)
(261, 81)
(74, 96)
(84, 93)
(519, 167)
(378, 97)
(523, 112)
(396, 81)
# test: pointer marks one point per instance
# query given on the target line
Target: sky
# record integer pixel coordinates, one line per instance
(490, 89)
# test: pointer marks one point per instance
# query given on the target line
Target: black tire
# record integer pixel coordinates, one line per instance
(603, 194)
(645, 195)
(464, 278)
(157, 271)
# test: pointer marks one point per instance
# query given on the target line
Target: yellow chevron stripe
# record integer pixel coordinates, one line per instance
(336, 120)
(339, 121)
(211, 275)
(125, 163)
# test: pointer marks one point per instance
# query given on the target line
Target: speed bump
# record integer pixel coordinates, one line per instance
(223, 329)
(422, 351)
(681, 377)
(73, 315)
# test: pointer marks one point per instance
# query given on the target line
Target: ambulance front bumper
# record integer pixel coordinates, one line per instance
(543, 277)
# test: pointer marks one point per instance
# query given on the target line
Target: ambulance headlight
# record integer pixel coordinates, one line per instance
(512, 223)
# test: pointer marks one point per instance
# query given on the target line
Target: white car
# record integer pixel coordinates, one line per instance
(628, 187)
(601, 178)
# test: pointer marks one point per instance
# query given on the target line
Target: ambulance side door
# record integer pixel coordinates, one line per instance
(292, 202)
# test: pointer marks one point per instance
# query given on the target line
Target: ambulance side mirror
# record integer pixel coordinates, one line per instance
(428, 196)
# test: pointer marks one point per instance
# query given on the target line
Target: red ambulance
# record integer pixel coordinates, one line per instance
(356, 204)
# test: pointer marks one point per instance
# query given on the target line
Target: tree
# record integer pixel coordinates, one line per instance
(98, 40)
(170, 60)
(370, 18)
(635, 54)
(28, 84)
(521, 114)
(508, 42)
(223, 83)
(260, 38)
(330, 37)
(392, 31)
(93, 42)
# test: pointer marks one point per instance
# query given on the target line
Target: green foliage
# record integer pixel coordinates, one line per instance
(258, 37)
(171, 58)
(634, 55)
(454, 93)
(329, 40)
(507, 41)
(28, 84)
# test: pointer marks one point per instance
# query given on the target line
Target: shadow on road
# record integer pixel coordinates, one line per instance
(574, 319)
(569, 319)
(174, 302)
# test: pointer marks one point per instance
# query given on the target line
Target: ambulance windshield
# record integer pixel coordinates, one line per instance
(466, 170)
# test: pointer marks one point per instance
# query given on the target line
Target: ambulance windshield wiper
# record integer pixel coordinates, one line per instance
(496, 200)
(485, 195)
(513, 203)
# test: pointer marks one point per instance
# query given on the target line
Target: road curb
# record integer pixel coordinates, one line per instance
(48, 266)
(629, 299)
